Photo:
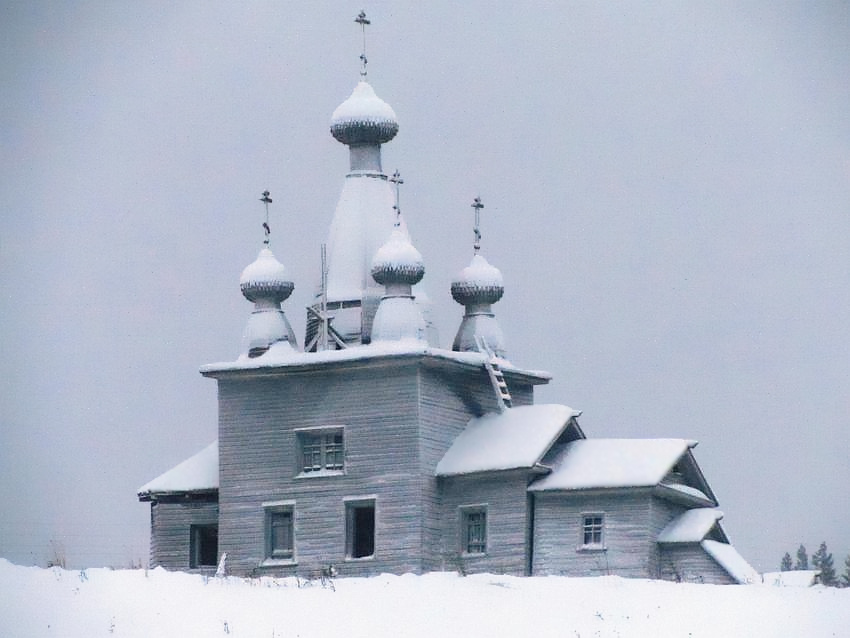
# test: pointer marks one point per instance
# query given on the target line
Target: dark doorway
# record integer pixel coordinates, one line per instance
(203, 546)
(361, 529)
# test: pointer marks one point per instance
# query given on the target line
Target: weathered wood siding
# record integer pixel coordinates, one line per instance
(690, 563)
(629, 534)
(170, 524)
(447, 402)
(661, 513)
(259, 462)
(506, 499)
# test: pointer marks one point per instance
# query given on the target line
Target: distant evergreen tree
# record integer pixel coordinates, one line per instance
(786, 565)
(845, 577)
(822, 560)
(802, 558)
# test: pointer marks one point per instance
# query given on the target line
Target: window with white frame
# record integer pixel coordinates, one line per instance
(592, 531)
(280, 532)
(321, 450)
(474, 530)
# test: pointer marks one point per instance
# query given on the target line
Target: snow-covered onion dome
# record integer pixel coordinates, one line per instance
(398, 262)
(477, 287)
(478, 283)
(266, 283)
(398, 266)
(364, 118)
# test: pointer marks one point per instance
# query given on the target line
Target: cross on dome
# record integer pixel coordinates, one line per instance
(398, 181)
(362, 21)
(266, 200)
(477, 205)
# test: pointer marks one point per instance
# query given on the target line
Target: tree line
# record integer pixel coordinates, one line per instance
(821, 561)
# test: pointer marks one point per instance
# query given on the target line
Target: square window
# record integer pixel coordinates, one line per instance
(360, 529)
(474, 530)
(280, 533)
(203, 546)
(321, 450)
(592, 530)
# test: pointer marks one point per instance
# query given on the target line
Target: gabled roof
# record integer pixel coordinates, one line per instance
(730, 560)
(612, 463)
(691, 526)
(515, 438)
(197, 473)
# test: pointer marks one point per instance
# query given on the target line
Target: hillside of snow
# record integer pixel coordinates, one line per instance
(144, 603)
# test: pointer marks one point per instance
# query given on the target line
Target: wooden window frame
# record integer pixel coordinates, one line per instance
(321, 451)
(275, 514)
(474, 517)
(592, 531)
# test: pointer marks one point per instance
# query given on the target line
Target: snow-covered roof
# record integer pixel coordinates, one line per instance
(691, 526)
(515, 438)
(730, 560)
(287, 357)
(363, 220)
(791, 578)
(611, 463)
(198, 472)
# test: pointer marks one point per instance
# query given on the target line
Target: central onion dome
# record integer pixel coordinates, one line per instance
(266, 279)
(478, 283)
(364, 118)
(398, 262)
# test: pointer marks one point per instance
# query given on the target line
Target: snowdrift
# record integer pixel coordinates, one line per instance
(144, 603)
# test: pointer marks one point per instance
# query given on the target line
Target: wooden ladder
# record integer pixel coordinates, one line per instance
(497, 379)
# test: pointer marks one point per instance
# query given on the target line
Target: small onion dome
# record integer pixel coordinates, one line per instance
(364, 118)
(266, 278)
(398, 262)
(478, 283)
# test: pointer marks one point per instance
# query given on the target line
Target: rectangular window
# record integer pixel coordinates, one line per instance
(474, 530)
(592, 530)
(321, 450)
(360, 528)
(203, 546)
(280, 533)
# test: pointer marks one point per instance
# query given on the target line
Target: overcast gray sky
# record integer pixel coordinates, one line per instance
(667, 192)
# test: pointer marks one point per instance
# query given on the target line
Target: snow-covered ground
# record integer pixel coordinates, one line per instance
(146, 603)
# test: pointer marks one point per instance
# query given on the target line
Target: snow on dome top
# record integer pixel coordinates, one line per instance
(265, 278)
(398, 261)
(364, 118)
(479, 282)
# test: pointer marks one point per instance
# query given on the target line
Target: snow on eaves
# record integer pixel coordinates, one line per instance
(730, 560)
(198, 472)
(612, 463)
(515, 438)
(287, 357)
(691, 526)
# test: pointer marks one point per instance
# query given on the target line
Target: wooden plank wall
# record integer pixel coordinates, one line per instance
(378, 408)
(689, 562)
(170, 522)
(628, 534)
(505, 496)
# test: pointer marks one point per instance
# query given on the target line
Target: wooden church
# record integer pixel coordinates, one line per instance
(371, 449)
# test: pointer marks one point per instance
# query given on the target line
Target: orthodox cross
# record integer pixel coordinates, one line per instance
(477, 205)
(398, 181)
(362, 21)
(266, 200)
